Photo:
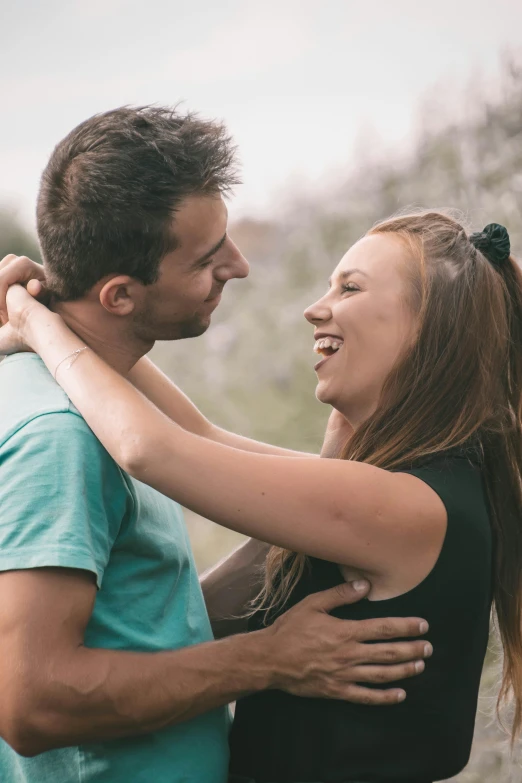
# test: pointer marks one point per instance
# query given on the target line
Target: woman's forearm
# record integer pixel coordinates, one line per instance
(166, 396)
(97, 388)
(231, 585)
(152, 448)
(319, 507)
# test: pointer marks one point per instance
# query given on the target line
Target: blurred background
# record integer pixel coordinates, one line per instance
(343, 113)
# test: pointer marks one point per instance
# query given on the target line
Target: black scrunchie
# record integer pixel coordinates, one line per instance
(493, 243)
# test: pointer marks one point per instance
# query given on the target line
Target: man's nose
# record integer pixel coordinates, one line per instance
(242, 266)
(235, 266)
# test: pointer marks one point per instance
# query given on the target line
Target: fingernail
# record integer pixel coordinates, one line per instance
(423, 627)
(419, 666)
(428, 650)
(401, 695)
(360, 584)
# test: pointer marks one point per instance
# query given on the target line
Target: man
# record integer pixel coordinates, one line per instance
(109, 671)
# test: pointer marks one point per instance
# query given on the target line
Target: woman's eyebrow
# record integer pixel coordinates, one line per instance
(347, 273)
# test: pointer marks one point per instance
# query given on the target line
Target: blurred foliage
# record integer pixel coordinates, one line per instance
(252, 371)
(14, 238)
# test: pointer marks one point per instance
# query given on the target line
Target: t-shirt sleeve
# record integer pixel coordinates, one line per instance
(62, 497)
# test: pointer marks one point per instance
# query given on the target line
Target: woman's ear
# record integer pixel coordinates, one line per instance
(118, 295)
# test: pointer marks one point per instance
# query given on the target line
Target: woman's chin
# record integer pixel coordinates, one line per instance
(324, 394)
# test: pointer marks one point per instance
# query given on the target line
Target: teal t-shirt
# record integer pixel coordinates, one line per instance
(65, 502)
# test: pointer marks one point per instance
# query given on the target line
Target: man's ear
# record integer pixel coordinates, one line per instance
(119, 295)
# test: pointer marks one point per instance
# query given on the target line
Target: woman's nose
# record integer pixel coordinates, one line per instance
(318, 312)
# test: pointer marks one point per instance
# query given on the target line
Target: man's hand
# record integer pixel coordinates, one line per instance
(321, 656)
(338, 433)
(56, 692)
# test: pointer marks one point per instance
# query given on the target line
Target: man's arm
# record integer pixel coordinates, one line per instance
(231, 585)
(55, 692)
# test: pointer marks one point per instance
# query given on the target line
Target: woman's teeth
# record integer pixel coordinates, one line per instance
(327, 346)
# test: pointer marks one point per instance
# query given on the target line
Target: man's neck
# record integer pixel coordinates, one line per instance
(107, 335)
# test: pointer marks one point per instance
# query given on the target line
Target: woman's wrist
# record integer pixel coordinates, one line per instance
(39, 327)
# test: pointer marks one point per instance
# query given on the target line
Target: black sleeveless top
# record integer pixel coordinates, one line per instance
(278, 737)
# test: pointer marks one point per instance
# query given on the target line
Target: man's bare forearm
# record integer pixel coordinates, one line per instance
(55, 692)
(231, 585)
(105, 694)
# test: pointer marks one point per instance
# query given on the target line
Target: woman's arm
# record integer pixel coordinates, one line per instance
(342, 511)
(166, 396)
(229, 586)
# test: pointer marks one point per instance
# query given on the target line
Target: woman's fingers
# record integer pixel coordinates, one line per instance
(35, 288)
(19, 305)
(17, 269)
(385, 674)
(398, 652)
(7, 260)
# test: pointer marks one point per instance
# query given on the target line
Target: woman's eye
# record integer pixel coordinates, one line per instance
(349, 287)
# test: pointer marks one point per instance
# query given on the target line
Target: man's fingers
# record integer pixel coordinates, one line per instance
(383, 674)
(389, 628)
(345, 593)
(396, 652)
(373, 697)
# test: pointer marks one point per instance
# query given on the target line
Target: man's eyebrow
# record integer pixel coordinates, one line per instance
(211, 252)
(347, 273)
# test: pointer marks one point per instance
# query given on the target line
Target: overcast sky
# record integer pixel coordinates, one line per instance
(301, 83)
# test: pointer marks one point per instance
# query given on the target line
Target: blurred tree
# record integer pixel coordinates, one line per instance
(15, 238)
(261, 381)
(252, 371)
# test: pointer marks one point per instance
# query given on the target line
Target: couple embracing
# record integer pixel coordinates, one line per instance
(351, 628)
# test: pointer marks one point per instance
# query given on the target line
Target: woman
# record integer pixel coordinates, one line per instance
(420, 334)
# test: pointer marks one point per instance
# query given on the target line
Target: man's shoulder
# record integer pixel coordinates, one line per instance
(42, 432)
(30, 397)
(27, 391)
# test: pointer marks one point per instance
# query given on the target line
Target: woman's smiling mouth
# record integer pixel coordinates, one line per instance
(327, 346)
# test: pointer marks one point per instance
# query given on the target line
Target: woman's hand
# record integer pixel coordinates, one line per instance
(21, 270)
(16, 306)
(22, 311)
(338, 433)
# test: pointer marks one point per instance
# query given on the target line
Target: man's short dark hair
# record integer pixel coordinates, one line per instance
(111, 187)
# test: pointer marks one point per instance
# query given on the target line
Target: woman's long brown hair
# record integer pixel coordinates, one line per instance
(461, 380)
